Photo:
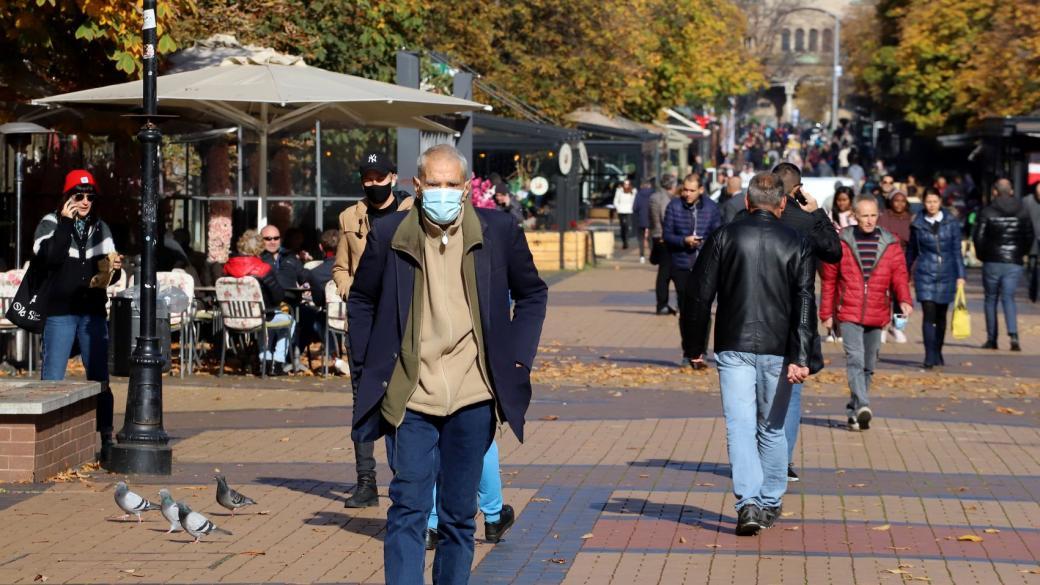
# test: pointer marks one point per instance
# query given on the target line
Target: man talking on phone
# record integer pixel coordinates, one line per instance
(689, 220)
(805, 216)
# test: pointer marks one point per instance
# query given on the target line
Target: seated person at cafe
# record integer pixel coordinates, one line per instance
(248, 263)
(312, 320)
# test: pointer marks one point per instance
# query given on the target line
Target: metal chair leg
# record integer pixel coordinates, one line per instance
(325, 353)
(262, 338)
(180, 350)
(223, 352)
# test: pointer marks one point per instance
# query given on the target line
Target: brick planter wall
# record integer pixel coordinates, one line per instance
(36, 447)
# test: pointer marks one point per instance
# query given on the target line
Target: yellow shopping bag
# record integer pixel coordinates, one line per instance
(961, 317)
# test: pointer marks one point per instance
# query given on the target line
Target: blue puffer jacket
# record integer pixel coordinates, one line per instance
(681, 221)
(938, 258)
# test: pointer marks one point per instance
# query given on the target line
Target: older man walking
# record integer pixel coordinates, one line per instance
(871, 273)
(441, 356)
(762, 273)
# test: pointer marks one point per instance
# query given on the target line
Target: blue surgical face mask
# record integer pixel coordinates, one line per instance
(442, 205)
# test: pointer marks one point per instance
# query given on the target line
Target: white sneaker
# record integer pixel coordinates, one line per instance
(642, 259)
(342, 367)
(898, 336)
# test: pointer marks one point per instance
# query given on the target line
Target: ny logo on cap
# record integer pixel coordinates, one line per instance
(372, 158)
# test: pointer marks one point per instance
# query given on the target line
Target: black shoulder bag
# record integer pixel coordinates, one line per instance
(28, 308)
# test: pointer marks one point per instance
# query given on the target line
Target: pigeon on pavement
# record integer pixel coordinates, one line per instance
(229, 498)
(131, 503)
(196, 524)
(169, 510)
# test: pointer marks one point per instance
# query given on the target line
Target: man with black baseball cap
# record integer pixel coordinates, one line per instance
(378, 179)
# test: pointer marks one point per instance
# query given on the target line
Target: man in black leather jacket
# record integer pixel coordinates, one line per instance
(762, 272)
(1003, 236)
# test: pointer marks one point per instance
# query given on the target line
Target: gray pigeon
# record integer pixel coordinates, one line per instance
(229, 498)
(196, 524)
(131, 503)
(169, 511)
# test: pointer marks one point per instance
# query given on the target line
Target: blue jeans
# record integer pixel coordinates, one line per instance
(278, 339)
(793, 420)
(426, 451)
(755, 396)
(60, 332)
(489, 491)
(999, 281)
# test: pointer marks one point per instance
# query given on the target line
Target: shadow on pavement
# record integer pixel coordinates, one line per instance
(827, 423)
(324, 489)
(645, 361)
(370, 527)
(712, 467)
(681, 514)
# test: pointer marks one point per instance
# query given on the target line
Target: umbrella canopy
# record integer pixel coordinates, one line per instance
(270, 97)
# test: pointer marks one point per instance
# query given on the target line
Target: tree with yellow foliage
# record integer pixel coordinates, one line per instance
(66, 44)
(942, 65)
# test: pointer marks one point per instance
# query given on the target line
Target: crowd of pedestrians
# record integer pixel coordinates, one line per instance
(445, 310)
(758, 248)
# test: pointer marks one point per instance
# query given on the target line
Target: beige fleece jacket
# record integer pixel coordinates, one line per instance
(450, 376)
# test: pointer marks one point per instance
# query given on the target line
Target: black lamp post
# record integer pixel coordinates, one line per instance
(143, 446)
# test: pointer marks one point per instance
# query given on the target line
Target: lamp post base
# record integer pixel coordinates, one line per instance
(139, 458)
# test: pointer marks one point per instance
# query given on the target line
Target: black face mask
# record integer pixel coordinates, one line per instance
(378, 194)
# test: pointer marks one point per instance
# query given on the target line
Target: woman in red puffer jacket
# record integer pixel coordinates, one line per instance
(249, 263)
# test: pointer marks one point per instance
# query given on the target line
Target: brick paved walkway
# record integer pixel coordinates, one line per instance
(624, 478)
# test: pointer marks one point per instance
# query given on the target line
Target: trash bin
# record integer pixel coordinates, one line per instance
(124, 325)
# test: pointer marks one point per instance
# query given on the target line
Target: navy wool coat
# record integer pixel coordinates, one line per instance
(381, 297)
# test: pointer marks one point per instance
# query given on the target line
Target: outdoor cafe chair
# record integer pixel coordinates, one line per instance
(335, 323)
(9, 282)
(181, 322)
(243, 314)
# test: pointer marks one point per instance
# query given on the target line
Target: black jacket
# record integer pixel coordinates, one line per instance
(289, 271)
(1003, 232)
(826, 247)
(817, 227)
(71, 262)
(762, 272)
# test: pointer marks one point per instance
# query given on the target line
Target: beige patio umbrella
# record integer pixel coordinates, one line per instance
(269, 97)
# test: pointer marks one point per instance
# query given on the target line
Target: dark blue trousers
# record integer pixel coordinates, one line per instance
(447, 452)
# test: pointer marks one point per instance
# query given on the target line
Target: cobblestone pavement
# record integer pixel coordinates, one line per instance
(624, 478)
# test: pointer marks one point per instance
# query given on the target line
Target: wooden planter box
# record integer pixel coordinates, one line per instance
(604, 244)
(545, 247)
